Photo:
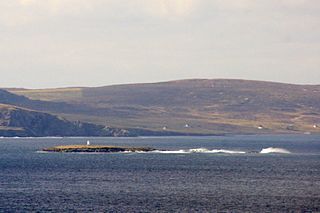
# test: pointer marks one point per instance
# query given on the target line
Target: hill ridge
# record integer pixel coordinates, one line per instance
(160, 82)
(205, 106)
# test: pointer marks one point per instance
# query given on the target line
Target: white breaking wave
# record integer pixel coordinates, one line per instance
(274, 150)
(172, 152)
(42, 152)
(200, 150)
(203, 150)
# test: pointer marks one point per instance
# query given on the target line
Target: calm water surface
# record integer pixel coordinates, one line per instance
(158, 182)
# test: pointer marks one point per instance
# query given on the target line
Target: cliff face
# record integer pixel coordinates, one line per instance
(16, 121)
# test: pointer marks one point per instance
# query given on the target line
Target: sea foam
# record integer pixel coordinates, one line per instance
(200, 150)
(274, 150)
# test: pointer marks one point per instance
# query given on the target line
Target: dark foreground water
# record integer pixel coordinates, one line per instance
(162, 182)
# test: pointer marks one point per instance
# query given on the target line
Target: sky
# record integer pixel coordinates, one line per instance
(61, 43)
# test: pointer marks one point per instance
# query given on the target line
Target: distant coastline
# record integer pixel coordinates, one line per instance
(192, 107)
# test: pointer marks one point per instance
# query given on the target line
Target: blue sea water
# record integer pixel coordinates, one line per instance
(181, 181)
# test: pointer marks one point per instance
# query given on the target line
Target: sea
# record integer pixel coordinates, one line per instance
(256, 173)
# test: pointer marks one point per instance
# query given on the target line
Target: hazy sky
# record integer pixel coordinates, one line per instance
(54, 43)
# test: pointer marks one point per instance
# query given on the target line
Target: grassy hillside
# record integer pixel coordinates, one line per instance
(193, 106)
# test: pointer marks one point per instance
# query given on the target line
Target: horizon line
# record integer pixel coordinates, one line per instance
(157, 82)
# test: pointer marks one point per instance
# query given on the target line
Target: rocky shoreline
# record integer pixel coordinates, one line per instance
(96, 148)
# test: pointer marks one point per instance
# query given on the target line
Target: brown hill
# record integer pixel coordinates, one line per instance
(192, 106)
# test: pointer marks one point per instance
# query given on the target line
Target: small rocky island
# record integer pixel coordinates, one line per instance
(96, 148)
